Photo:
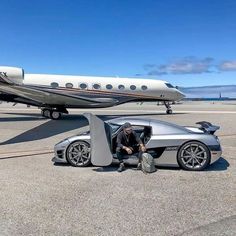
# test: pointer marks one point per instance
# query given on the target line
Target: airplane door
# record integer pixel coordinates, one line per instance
(100, 145)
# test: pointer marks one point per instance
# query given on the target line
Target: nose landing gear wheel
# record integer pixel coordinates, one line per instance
(168, 108)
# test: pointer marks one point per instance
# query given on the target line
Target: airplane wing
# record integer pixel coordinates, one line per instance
(45, 95)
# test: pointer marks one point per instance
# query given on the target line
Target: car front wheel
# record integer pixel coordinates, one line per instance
(78, 154)
(194, 156)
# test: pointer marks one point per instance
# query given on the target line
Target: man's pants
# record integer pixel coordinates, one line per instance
(122, 154)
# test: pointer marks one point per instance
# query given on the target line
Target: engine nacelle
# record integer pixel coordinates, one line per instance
(12, 74)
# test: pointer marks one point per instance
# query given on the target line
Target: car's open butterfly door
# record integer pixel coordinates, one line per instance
(100, 133)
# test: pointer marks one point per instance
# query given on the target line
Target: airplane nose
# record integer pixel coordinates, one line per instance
(180, 95)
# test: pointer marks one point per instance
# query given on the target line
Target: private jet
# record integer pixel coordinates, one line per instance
(54, 94)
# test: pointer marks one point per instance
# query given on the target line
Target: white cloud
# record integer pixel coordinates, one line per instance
(227, 66)
(187, 65)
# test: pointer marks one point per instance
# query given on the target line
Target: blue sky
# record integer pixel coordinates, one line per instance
(188, 43)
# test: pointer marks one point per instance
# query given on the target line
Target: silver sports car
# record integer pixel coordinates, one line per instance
(191, 148)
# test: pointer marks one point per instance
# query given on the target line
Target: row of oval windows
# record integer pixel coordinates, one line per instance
(98, 86)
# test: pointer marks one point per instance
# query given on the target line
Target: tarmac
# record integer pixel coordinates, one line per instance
(40, 198)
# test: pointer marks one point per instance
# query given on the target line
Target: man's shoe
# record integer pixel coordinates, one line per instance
(121, 167)
(139, 166)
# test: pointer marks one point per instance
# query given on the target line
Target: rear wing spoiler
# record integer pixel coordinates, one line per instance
(207, 127)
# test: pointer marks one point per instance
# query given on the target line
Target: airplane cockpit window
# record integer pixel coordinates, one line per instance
(169, 85)
(109, 86)
(96, 86)
(121, 87)
(144, 87)
(54, 85)
(83, 86)
(69, 85)
(132, 87)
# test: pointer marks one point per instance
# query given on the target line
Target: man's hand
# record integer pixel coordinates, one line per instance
(142, 148)
(128, 150)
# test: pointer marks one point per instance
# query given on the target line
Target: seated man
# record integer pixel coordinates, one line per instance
(128, 142)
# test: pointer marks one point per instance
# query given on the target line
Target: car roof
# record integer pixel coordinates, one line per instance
(132, 120)
(159, 126)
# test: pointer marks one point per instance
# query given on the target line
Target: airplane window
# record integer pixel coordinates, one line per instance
(132, 87)
(54, 85)
(169, 85)
(69, 85)
(121, 87)
(96, 86)
(83, 86)
(109, 86)
(144, 87)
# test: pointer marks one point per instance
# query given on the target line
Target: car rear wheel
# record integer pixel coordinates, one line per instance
(78, 154)
(194, 156)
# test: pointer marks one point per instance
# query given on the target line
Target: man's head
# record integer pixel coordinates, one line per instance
(127, 127)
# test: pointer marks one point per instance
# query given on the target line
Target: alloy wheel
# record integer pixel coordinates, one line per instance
(78, 154)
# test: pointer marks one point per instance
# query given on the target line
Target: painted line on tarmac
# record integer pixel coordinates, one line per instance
(26, 155)
(25, 151)
(227, 135)
(128, 111)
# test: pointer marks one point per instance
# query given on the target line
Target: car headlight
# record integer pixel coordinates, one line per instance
(63, 141)
(217, 139)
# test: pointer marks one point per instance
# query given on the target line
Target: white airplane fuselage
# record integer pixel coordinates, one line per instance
(66, 91)
(96, 87)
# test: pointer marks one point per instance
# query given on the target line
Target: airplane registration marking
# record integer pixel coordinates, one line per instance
(3, 73)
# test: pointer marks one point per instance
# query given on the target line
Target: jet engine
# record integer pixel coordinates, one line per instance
(12, 75)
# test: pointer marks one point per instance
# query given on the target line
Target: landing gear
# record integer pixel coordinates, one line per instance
(54, 114)
(168, 108)
(45, 113)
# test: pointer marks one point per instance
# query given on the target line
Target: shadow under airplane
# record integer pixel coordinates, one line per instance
(55, 127)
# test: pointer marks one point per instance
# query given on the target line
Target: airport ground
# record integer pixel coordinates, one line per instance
(40, 198)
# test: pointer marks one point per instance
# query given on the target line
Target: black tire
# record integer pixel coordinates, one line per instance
(194, 156)
(55, 115)
(45, 113)
(75, 155)
(169, 111)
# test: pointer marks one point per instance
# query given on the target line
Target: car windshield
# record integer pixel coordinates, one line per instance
(114, 127)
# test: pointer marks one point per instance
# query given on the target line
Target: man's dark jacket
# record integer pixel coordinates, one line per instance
(128, 140)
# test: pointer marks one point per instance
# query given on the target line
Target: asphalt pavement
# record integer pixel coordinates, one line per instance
(40, 198)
